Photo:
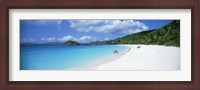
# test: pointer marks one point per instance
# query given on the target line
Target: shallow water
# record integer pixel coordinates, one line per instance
(64, 57)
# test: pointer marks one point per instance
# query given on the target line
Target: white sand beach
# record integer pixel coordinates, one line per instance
(147, 57)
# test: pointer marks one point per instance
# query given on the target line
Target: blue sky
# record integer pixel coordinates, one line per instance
(82, 31)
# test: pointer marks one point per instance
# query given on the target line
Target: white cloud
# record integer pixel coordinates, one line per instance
(82, 39)
(122, 27)
(27, 40)
(86, 39)
(107, 39)
(49, 39)
(67, 38)
(59, 23)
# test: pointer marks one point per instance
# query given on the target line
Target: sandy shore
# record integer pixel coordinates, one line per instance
(147, 57)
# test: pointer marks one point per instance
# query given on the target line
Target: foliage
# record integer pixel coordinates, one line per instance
(167, 35)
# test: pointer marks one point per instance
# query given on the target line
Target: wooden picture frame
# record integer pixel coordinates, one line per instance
(100, 4)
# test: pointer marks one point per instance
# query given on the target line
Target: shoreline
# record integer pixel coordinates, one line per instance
(146, 57)
(94, 65)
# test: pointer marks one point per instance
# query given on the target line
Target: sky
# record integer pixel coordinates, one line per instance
(82, 31)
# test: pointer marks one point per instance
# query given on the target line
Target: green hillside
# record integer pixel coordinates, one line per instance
(168, 35)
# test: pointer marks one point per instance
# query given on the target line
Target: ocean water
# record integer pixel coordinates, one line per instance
(64, 57)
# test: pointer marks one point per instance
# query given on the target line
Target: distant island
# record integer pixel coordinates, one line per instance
(168, 35)
(71, 43)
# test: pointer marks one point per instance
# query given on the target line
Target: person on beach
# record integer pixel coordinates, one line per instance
(115, 52)
(138, 46)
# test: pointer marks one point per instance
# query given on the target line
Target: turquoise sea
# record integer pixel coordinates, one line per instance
(64, 57)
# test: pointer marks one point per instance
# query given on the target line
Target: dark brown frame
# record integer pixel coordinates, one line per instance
(99, 4)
